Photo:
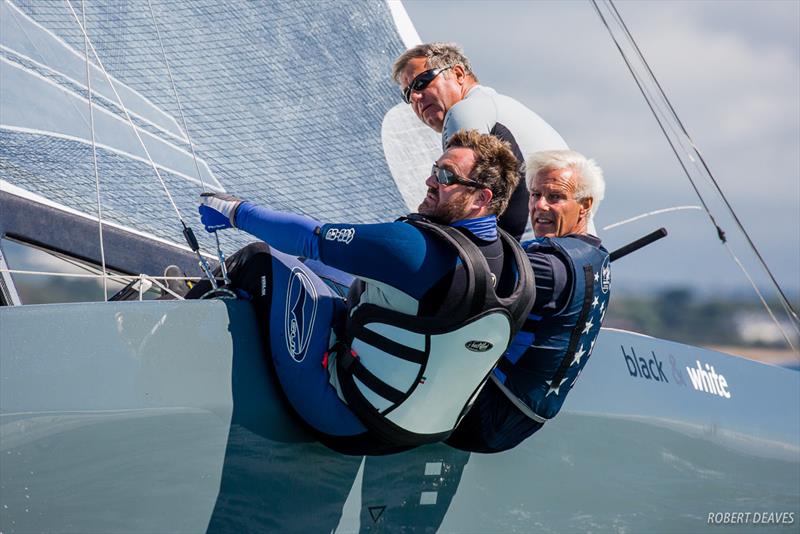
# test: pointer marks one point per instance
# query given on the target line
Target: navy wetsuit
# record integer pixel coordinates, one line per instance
(535, 375)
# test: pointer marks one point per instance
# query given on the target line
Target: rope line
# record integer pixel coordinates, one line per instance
(650, 104)
(121, 278)
(187, 231)
(763, 301)
(163, 287)
(649, 213)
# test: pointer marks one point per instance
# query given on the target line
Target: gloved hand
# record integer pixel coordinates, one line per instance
(218, 211)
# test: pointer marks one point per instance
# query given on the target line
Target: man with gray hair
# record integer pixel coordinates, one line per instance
(571, 268)
(438, 82)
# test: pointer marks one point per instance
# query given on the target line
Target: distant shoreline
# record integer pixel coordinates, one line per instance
(782, 357)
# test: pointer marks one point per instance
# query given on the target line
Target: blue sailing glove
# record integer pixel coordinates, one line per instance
(218, 211)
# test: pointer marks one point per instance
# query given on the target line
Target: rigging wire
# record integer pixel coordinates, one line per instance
(187, 231)
(794, 320)
(94, 155)
(784, 300)
(660, 104)
(764, 303)
(79, 111)
(277, 204)
(639, 84)
(222, 266)
(177, 98)
(127, 115)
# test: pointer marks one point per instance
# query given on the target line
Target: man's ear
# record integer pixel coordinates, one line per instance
(586, 206)
(483, 198)
(459, 73)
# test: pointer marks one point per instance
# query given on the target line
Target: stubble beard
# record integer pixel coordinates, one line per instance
(446, 213)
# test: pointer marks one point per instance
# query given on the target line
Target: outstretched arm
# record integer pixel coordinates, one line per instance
(290, 233)
(395, 253)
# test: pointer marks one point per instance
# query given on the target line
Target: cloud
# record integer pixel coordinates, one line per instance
(753, 86)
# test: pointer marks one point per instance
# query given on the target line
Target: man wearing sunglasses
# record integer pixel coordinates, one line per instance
(434, 301)
(436, 79)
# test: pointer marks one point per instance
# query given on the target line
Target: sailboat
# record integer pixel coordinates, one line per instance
(163, 416)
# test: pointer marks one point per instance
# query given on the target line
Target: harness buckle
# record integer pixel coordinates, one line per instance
(341, 350)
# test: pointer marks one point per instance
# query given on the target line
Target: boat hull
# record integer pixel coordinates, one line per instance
(166, 417)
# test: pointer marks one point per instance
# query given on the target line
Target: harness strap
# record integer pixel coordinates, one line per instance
(392, 347)
(506, 366)
(520, 302)
(369, 415)
(521, 406)
(351, 363)
(588, 280)
(478, 284)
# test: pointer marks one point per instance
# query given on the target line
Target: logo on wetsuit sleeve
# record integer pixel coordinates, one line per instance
(301, 310)
(605, 276)
(344, 235)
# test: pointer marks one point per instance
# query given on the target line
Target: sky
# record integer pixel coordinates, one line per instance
(732, 72)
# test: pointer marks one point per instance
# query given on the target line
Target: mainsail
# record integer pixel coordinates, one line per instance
(285, 105)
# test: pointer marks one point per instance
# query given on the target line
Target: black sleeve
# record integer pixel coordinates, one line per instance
(552, 282)
(515, 218)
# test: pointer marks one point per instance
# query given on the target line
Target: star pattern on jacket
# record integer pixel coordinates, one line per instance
(595, 318)
(578, 355)
(552, 388)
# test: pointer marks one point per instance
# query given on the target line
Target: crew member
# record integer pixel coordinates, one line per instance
(436, 302)
(437, 80)
(572, 275)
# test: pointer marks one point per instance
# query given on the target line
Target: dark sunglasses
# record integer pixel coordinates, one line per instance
(445, 177)
(421, 81)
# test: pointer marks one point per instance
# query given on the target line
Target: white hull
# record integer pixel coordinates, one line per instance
(163, 417)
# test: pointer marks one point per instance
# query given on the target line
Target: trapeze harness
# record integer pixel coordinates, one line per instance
(549, 353)
(411, 378)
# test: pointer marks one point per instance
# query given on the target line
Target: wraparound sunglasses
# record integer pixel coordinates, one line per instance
(421, 81)
(445, 177)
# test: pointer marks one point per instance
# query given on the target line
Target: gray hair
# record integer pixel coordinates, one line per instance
(589, 182)
(437, 55)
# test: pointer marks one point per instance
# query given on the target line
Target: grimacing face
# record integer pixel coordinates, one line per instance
(450, 203)
(432, 103)
(554, 210)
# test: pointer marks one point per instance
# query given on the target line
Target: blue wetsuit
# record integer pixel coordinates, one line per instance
(395, 253)
(402, 268)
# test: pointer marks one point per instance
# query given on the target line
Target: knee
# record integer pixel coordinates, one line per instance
(255, 248)
(245, 255)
